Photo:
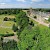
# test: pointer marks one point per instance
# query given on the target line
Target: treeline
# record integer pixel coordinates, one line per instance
(16, 11)
(42, 10)
(9, 11)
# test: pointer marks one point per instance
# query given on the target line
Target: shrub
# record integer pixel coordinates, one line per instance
(6, 35)
(35, 17)
(31, 23)
(14, 28)
(49, 19)
(5, 19)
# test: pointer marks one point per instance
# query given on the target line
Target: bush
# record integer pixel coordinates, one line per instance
(6, 35)
(5, 19)
(31, 23)
(14, 28)
(49, 25)
(35, 17)
(49, 19)
(10, 45)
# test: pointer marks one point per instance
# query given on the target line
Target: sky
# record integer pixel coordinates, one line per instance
(24, 3)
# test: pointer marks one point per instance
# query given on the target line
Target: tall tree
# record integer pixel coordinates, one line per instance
(22, 19)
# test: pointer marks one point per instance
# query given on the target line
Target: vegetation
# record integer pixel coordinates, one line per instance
(5, 19)
(32, 35)
(31, 23)
(10, 45)
(9, 11)
(42, 10)
(22, 21)
(36, 38)
(14, 28)
(49, 19)
(7, 35)
(6, 26)
(35, 17)
(49, 22)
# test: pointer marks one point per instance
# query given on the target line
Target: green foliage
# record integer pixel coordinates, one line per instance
(31, 23)
(49, 19)
(36, 38)
(10, 45)
(9, 11)
(5, 19)
(35, 17)
(14, 28)
(42, 10)
(6, 35)
(22, 19)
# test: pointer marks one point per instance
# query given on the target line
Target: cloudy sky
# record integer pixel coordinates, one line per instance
(24, 3)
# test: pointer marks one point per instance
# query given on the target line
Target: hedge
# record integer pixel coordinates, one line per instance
(6, 35)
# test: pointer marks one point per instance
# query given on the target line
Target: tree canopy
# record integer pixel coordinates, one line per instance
(22, 20)
(34, 38)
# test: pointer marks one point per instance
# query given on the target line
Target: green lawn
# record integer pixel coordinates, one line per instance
(6, 24)
(9, 16)
(0, 21)
(5, 30)
(9, 23)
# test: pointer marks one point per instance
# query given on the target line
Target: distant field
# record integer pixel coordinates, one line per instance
(6, 26)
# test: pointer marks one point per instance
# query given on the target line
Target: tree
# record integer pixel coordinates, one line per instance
(35, 17)
(49, 19)
(14, 20)
(31, 23)
(14, 28)
(49, 25)
(1, 43)
(5, 19)
(22, 20)
(49, 22)
(10, 45)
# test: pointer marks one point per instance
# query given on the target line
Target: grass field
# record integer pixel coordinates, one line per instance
(5, 24)
(9, 23)
(5, 30)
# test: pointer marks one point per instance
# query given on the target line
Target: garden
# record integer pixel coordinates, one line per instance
(6, 26)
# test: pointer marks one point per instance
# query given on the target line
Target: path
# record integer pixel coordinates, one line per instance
(15, 37)
(6, 39)
(39, 21)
